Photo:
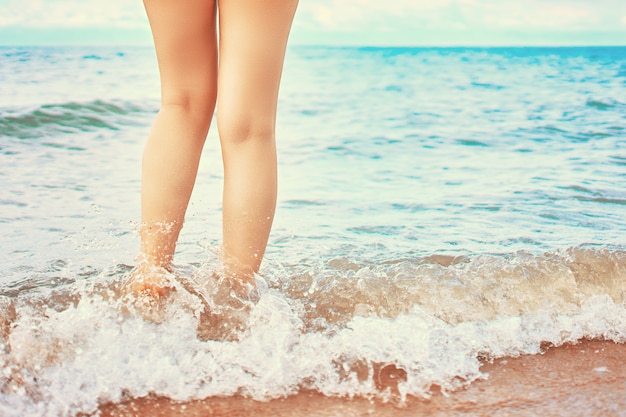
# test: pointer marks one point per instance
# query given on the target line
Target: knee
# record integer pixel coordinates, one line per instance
(240, 129)
(196, 105)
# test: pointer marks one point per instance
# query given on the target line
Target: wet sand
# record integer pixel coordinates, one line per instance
(586, 379)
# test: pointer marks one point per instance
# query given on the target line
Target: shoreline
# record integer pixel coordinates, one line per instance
(585, 379)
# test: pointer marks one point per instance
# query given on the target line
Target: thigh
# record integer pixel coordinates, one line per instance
(253, 38)
(185, 40)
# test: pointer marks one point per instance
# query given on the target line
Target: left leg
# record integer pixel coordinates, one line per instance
(253, 39)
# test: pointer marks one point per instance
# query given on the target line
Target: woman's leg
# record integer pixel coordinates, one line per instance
(253, 38)
(185, 39)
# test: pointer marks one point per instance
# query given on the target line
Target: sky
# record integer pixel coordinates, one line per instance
(343, 22)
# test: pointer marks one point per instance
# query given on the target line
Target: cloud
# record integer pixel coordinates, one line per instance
(371, 21)
(347, 15)
(546, 15)
(72, 13)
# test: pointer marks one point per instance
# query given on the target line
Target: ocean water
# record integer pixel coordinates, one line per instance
(438, 207)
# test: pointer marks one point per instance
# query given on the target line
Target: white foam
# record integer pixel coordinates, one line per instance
(67, 361)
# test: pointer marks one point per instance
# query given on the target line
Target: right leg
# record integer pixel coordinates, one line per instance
(185, 39)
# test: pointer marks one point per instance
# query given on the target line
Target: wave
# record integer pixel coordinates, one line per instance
(70, 117)
(605, 104)
(387, 329)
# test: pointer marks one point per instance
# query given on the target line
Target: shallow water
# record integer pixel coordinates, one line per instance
(436, 207)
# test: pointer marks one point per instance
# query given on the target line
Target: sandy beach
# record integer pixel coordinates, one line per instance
(586, 379)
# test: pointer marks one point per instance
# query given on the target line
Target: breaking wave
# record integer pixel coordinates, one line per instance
(388, 329)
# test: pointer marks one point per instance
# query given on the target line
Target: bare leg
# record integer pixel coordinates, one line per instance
(253, 38)
(185, 39)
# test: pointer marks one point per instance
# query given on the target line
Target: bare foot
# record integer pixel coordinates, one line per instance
(148, 288)
(227, 305)
(150, 280)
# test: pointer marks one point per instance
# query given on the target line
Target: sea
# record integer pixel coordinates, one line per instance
(438, 208)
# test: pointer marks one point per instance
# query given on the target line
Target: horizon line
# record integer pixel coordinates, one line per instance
(335, 46)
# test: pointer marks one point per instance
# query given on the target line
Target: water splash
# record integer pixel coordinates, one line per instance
(390, 330)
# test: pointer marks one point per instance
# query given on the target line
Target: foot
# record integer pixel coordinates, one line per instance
(151, 281)
(148, 288)
(227, 305)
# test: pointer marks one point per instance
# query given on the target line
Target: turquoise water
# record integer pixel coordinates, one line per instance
(436, 206)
